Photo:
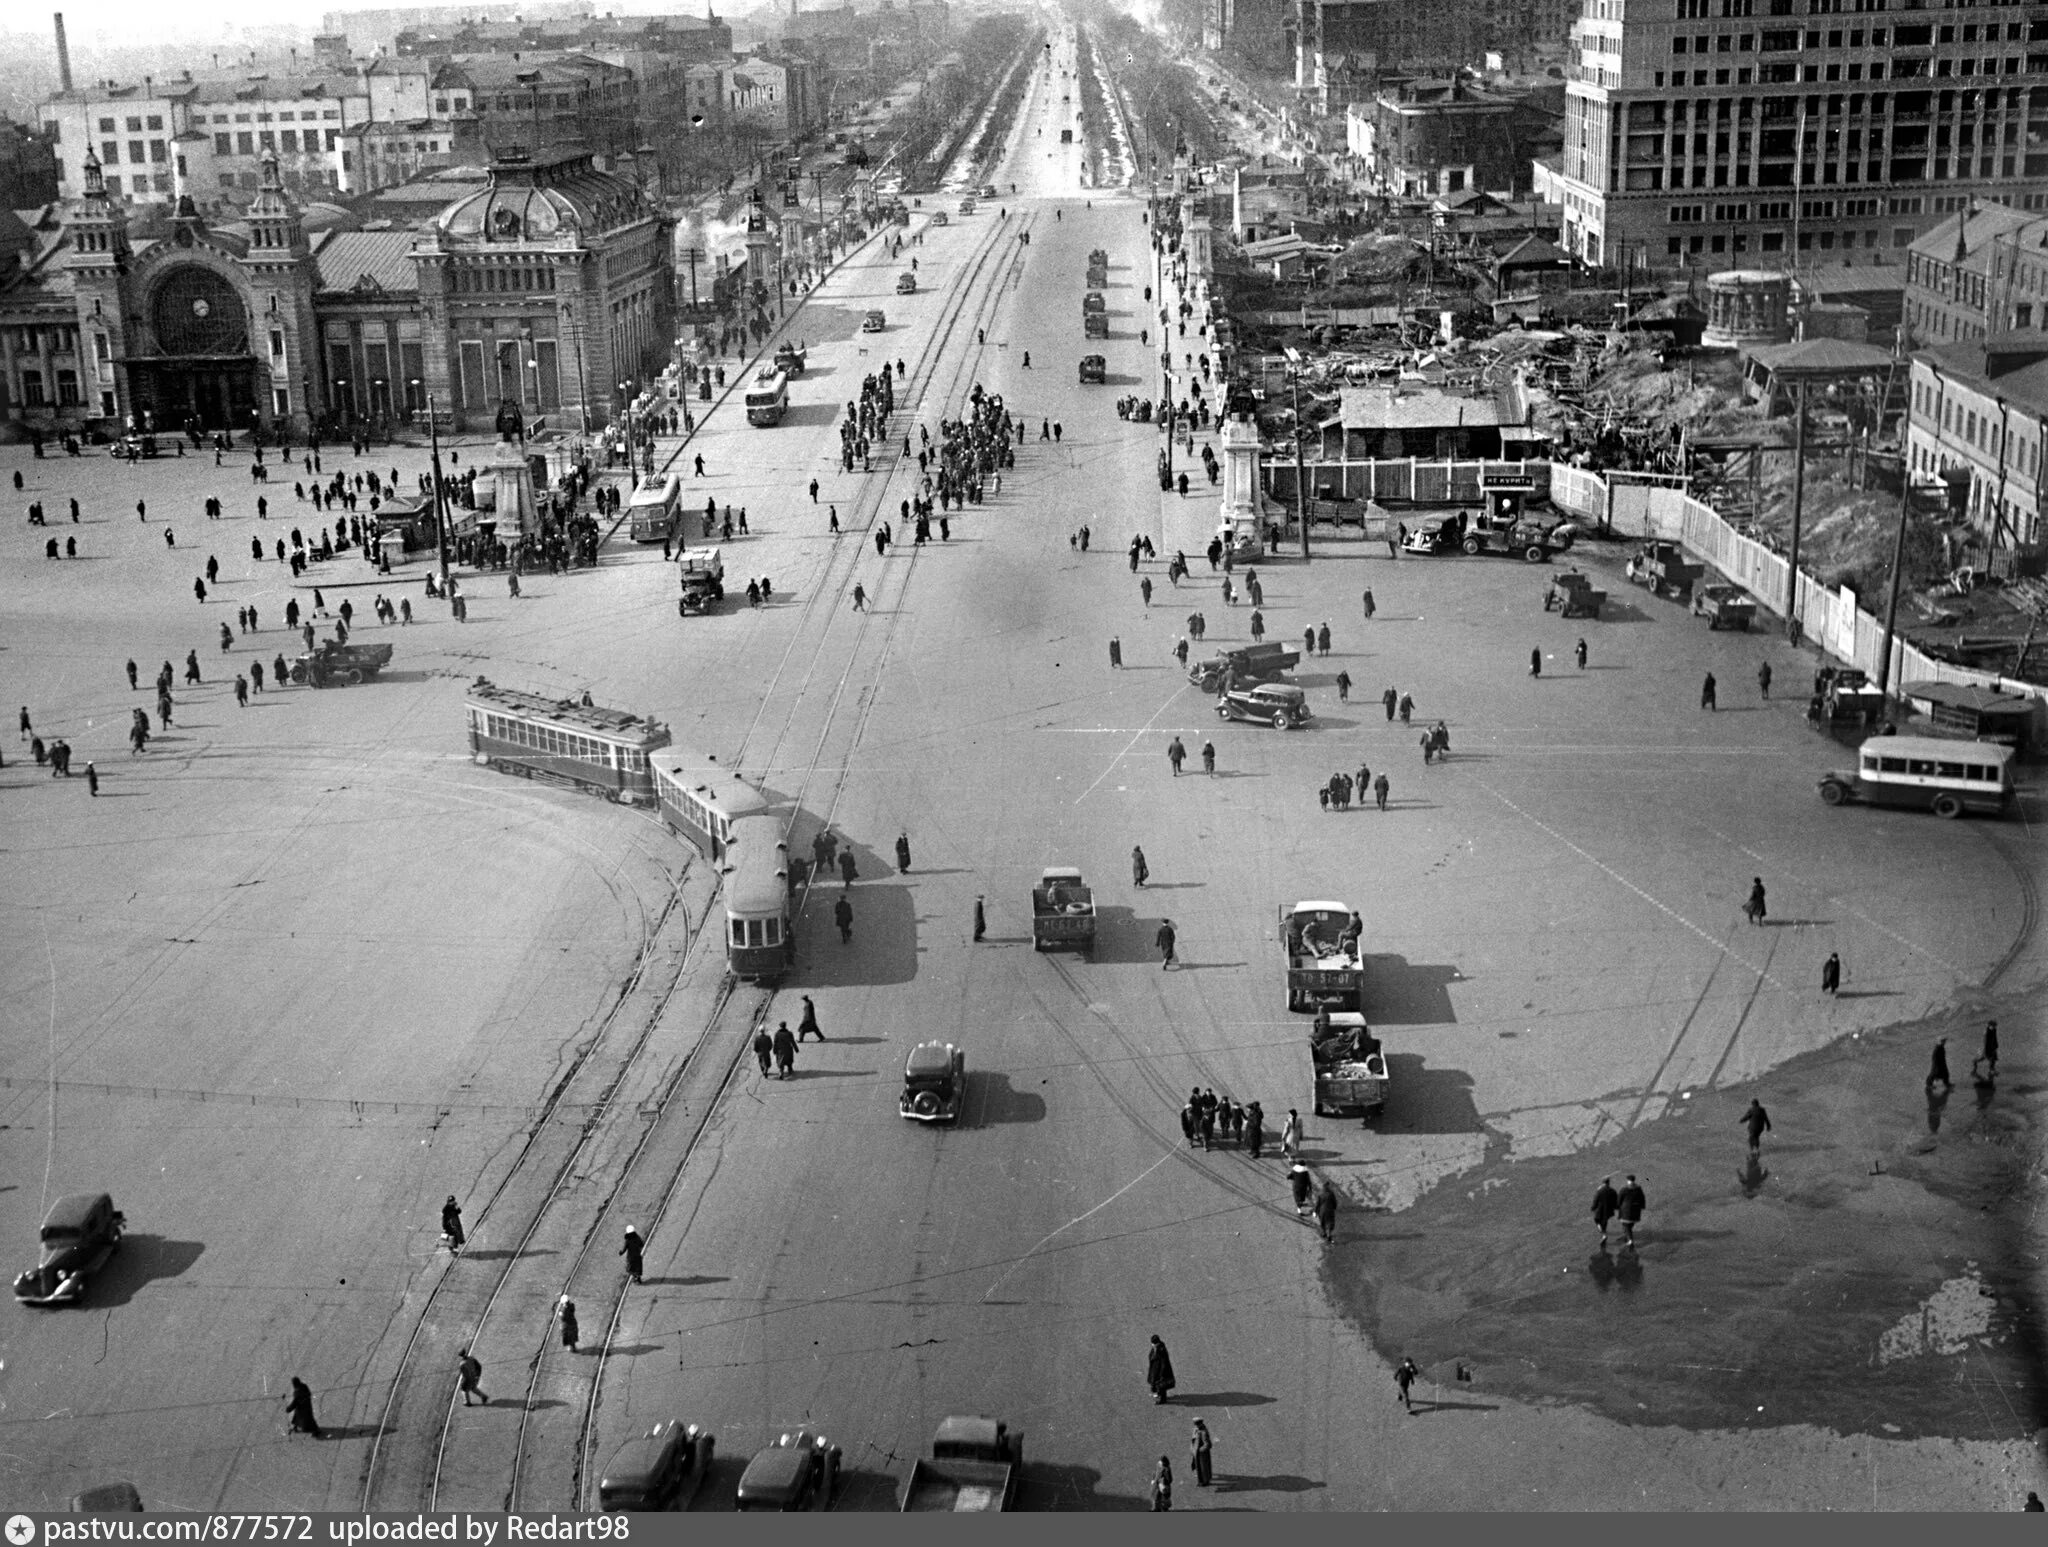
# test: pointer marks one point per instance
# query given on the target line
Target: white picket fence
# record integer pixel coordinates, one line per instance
(1831, 619)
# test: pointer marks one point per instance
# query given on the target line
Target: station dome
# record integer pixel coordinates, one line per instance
(558, 195)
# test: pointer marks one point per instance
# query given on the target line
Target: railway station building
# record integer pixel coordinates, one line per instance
(551, 285)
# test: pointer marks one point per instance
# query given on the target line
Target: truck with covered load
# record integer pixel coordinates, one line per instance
(1062, 910)
(1325, 970)
(1350, 1066)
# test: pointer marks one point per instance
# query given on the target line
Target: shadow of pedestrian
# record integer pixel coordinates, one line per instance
(1937, 1102)
(1628, 1269)
(1751, 1177)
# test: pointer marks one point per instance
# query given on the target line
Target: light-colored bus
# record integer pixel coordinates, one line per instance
(768, 398)
(656, 509)
(1927, 773)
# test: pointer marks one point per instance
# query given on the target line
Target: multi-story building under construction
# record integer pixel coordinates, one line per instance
(1774, 132)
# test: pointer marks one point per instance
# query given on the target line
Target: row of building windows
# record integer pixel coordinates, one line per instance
(34, 394)
(309, 116)
(478, 281)
(155, 121)
(139, 152)
(35, 341)
(244, 143)
(1814, 74)
(1774, 241)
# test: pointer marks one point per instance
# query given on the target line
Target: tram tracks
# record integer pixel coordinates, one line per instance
(602, 1120)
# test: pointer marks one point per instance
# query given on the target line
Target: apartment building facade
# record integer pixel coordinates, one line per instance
(1775, 131)
(1982, 407)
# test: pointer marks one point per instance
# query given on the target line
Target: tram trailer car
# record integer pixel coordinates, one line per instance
(583, 745)
(760, 938)
(702, 799)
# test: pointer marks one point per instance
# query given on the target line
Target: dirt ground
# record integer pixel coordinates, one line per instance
(1871, 1275)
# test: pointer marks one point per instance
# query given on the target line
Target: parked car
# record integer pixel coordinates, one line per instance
(798, 1472)
(1433, 534)
(661, 1469)
(81, 1231)
(939, 218)
(1278, 704)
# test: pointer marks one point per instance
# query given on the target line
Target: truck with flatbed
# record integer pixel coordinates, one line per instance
(1350, 1066)
(1325, 968)
(1533, 538)
(1266, 661)
(1062, 910)
(1663, 567)
(973, 1467)
(790, 359)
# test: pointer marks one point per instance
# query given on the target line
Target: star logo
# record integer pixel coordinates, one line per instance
(20, 1530)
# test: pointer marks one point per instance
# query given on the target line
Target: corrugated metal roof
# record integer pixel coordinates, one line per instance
(345, 258)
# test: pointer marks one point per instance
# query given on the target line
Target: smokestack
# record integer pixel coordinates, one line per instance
(63, 55)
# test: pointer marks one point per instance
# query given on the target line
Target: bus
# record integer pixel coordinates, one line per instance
(701, 798)
(563, 741)
(768, 398)
(1926, 773)
(760, 935)
(656, 509)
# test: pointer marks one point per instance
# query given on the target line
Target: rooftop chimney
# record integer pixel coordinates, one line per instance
(63, 55)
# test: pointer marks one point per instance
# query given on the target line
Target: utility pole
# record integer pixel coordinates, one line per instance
(1300, 477)
(1798, 503)
(1891, 606)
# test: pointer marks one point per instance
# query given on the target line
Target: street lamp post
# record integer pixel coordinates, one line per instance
(626, 418)
(1300, 476)
(440, 493)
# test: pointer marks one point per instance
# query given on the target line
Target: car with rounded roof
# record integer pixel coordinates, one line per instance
(1281, 705)
(798, 1472)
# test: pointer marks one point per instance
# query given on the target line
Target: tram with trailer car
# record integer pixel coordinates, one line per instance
(760, 933)
(602, 750)
(702, 799)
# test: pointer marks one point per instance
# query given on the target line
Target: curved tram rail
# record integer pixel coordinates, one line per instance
(735, 1013)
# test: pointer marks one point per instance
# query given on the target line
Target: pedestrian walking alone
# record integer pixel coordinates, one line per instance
(1937, 1066)
(1579, 654)
(980, 920)
(92, 780)
(785, 1051)
(1159, 1374)
(470, 1374)
(1343, 687)
(1535, 663)
(860, 597)
(298, 1405)
(1606, 1204)
(451, 1224)
(565, 1312)
(1390, 698)
(807, 1024)
(1258, 626)
(1758, 1122)
(1326, 1211)
(1290, 1134)
(848, 871)
(1831, 975)
(842, 915)
(1632, 1204)
(903, 853)
(1165, 940)
(1140, 871)
(1370, 606)
(1209, 758)
(1707, 692)
(1380, 786)
(1988, 1059)
(1405, 1376)
(1201, 1449)
(1176, 754)
(1763, 680)
(632, 1250)
(1754, 908)
(1162, 1480)
(1302, 1186)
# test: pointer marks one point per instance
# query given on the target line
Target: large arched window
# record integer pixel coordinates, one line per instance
(197, 312)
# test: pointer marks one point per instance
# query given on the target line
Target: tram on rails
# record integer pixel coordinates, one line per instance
(582, 744)
(760, 924)
(701, 798)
